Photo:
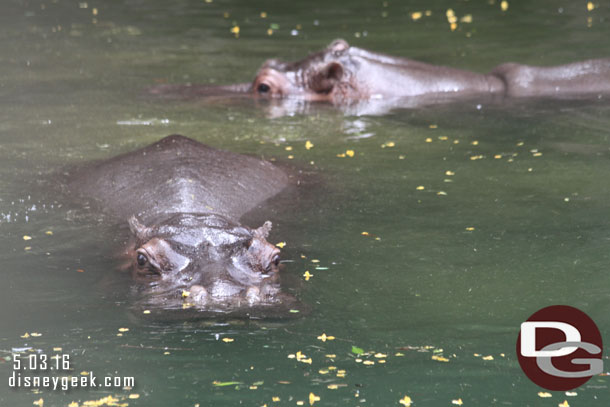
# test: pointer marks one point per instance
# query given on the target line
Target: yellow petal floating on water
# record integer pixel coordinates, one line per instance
(25, 335)
(470, 228)
(406, 401)
(544, 394)
(146, 311)
(416, 15)
(288, 148)
(39, 403)
(281, 245)
(368, 362)
(275, 399)
(441, 193)
(380, 355)
(26, 237)
(313, 398)
(263, 14)
(564, 404)
(440, 358)
(134, 396)
(235, 30)
(449, 173)
(325, 337)
(307, 275)
(308, 145)
(123, 329)
(49, 232)
(36, 334)
(185, 293)
(488, 357)
(504, 5)
(420, 188)
(227, 340)
(571, 393)
(428, 140)
(590, 6)
(466, 19)
(457, 402)
(73, 404)
(349, 153)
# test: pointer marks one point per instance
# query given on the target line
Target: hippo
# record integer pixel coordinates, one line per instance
(341, 74)
(183, 201)
(345, 76)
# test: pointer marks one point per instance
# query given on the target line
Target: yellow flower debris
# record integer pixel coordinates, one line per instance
(457, 402)
(313, 398)
(504, 5)
(416, 15)
(308, 145)
(440, 358)
(488, 357)
(307, 275)
(406, 401)
(420, 188)
(349, 153)
(26, 237)
(228, 340)
(281, 245)
(564, 404)
(325, 337)
(544, 394)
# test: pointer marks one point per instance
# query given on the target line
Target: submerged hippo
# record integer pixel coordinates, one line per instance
(361, 81)
(183, 201)
(341, 74)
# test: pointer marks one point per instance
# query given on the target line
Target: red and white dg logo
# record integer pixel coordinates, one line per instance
(560, 348)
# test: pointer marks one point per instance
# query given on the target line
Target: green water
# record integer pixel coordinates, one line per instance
(449, 270)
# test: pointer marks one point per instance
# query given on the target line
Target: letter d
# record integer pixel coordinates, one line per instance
(528, 338)
(11, 380)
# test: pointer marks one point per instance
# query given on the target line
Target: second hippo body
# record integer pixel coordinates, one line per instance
(183, 201)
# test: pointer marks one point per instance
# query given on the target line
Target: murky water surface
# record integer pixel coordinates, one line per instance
(447, 228)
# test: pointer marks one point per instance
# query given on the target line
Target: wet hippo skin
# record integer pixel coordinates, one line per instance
(183, 201)
(342, 74)
(359, 82)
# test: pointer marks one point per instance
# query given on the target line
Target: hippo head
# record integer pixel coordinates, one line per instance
(205, 261)
(323, 76)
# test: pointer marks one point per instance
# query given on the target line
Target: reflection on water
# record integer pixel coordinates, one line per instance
(437, 235)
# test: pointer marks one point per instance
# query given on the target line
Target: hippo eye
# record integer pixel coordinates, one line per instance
(263, 88)
(141, 259)
(276, 260)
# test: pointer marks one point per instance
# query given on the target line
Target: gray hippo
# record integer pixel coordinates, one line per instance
(346, 76)
(183, 201)
(341, 74)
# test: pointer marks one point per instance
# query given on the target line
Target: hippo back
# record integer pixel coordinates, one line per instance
(178, 174)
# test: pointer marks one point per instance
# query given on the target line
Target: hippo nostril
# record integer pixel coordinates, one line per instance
(263, 88)
(276, 260)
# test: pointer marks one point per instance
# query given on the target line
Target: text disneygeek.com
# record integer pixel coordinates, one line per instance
(28, 372)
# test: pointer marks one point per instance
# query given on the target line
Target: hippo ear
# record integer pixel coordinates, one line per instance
(263, 231)
(338, 45)
(326, 78)
(139, 230)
